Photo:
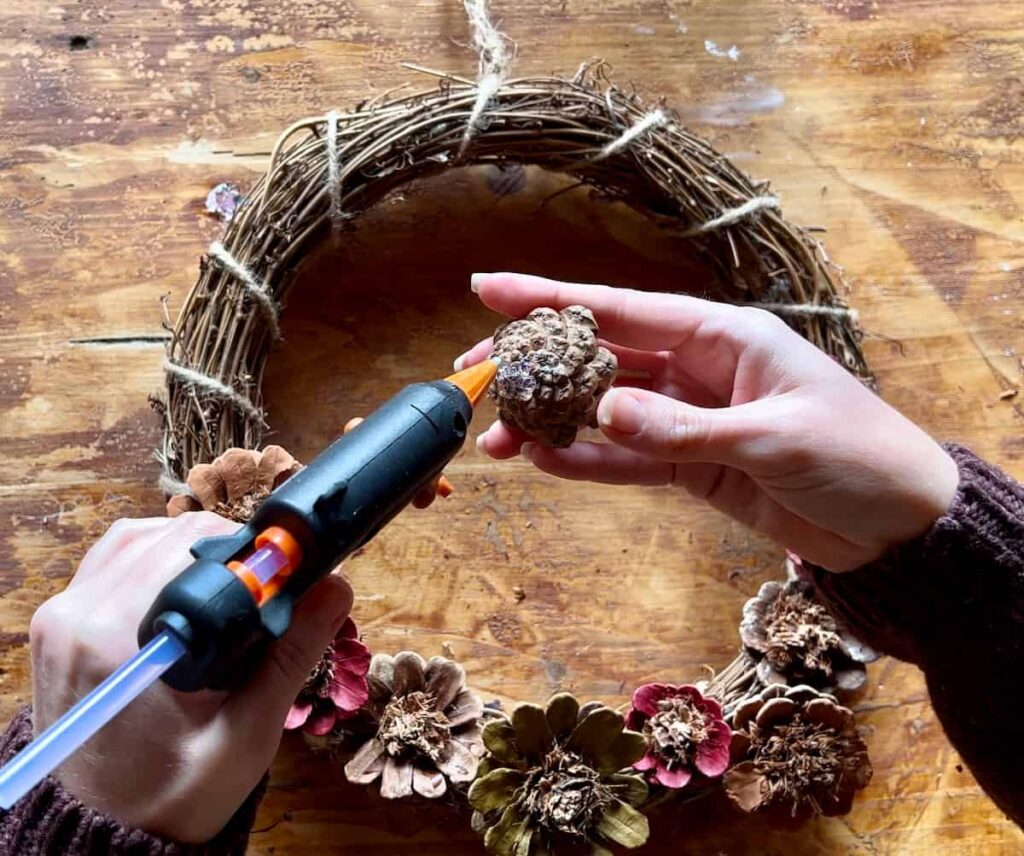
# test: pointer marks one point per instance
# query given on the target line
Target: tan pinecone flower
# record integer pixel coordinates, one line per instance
(419, 730)
(235, 483)
(798, 641)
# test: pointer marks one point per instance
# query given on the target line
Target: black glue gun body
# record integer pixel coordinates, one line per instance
(220, 606)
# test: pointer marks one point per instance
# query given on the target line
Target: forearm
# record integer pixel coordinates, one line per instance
(50, 820)
(952, 602)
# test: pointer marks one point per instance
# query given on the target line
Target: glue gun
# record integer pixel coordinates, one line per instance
(210, 626)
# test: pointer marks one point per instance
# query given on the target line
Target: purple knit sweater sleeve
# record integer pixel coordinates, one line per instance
(50, 821)
(952, 602)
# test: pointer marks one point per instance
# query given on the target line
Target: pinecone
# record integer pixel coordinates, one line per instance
(798, 754)
(236, 483)
(559, 780)
(419, 730)
(551, 373)
(799, 642)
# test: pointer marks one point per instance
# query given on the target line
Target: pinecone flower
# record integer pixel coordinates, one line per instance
(554, 778)
(336, 687)
(799, 755)
(551, 373)
(421, 727)
(798, 641)
(235, 483)
(684, 730)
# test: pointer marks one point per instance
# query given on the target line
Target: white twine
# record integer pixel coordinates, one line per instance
(492, 47)
(168, 482)
(333, 164)
(735, 215)
(654, 119)
(258, 291)
(808, 310)
(216, 387)
(171, 485)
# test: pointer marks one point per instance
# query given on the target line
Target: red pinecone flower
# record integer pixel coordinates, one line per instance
(685, 732)
(336, 688)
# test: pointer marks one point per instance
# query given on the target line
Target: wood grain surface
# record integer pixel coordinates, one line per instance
(899, 126)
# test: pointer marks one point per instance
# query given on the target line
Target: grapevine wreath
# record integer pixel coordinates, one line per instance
(770, 728)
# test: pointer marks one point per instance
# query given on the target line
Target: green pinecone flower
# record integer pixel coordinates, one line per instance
(559, 779)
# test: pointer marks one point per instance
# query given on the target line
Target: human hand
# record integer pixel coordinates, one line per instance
(741, 412)
(174, 764)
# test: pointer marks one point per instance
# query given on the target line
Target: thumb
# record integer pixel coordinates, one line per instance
(672, 430)
(289, 660)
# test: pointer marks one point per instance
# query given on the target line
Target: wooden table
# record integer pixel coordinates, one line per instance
(898, 126)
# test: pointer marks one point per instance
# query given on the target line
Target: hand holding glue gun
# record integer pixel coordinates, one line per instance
(251, 613)
(175, 764)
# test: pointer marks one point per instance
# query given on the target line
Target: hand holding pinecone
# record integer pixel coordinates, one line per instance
(551, 373)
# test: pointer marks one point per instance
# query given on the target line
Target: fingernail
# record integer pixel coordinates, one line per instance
(620, 411)
(480, 442)
(474, 282)
(459, 360)
(527, 451)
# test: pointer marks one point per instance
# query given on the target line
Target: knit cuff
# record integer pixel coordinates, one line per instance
(967, 572)
(50, 820)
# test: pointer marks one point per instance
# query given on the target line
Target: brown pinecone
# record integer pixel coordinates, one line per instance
(798, 754)
(551, 373)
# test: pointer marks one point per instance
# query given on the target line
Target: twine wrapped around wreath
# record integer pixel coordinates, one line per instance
(329, 169)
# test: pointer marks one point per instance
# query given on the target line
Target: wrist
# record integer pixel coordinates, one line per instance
(913, 481)
(52, 812)
(932, 490)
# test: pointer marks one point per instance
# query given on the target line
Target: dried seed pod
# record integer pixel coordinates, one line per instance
(551, 373)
